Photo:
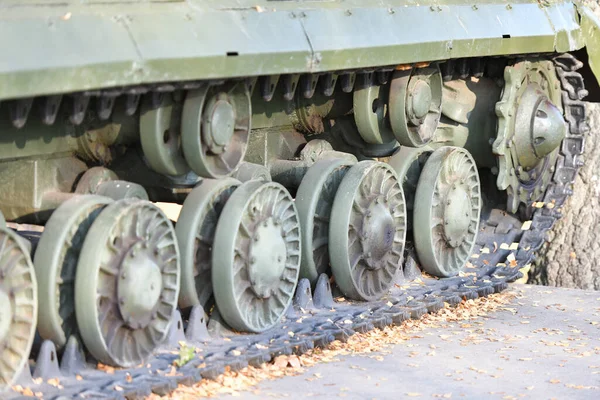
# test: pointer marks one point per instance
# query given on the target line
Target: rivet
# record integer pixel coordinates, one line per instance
(252, 260)
(121, 301)
(123, 275)
(256, 237)
(279, 258)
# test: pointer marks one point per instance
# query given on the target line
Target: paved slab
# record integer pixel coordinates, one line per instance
(545, 345)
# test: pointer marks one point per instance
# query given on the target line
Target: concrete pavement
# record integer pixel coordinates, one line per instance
(545, 344)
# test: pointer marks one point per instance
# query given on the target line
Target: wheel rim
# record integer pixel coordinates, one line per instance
(160, 130)
(447, 208)
(18, 306)
(127, 279)
(367, 230)
(314, 200)
(216, 128)
(408, 163)
(195, 229)
(55, 265)
(258, 258)
(370, 114)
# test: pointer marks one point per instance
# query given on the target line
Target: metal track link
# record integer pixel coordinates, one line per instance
(305, 327)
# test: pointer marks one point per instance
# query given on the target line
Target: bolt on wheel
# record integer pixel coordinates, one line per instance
(18, 305)
(257, 256)
(127, 282)
(367, 230)
(314, 200)
(195, 229)
(447, 208)
(55, 264)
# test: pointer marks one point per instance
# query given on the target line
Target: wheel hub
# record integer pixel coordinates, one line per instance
(140, 285)
(457, 215)
(419, 100)
(377, 233)
(539, 127)
(6, 314)
(219, 123)
(530, 130)
(268, 256)
(415, 105)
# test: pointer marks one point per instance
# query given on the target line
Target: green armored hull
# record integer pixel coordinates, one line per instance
(293, 138)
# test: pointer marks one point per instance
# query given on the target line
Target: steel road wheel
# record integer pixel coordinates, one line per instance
(257, 256)
(55, 265)
(216, 128)
(160, 134)
(447, 207)
(195, 229)
(367, 230)
(314, 200)
(127, 282)
(18, 305)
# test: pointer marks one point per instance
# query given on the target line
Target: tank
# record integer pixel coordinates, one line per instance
(204, 157)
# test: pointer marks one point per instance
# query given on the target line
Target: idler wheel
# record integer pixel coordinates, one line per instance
(314, 200)
(215, 128)
(446, 211)
(195, 230)
(127, 282)
(367, 230)
(257, 256)
(18, 305)
(55, 263)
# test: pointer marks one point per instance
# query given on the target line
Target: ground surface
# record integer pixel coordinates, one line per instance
(545, 344)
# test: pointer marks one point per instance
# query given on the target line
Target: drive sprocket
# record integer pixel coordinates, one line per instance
(531, 127)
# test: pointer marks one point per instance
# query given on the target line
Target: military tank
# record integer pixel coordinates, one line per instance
(299, 138)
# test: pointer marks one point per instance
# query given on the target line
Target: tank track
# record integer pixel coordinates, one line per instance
(305, 327)
(504, 245)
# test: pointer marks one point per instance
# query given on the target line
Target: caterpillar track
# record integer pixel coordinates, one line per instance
(292, 185)
(504, 244)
